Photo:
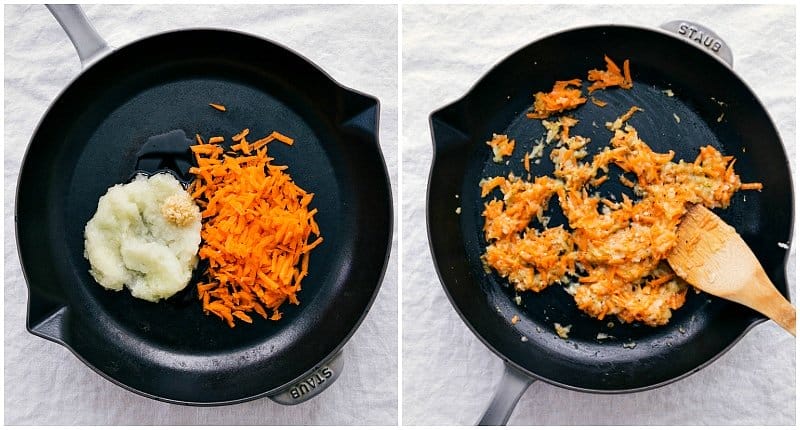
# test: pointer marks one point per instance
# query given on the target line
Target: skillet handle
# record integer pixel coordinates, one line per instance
(84, 37)
(703, 37)
(311, 384)
(512, 386)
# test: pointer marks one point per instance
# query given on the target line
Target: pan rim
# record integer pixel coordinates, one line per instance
(384, 177)
(521, 48)
(436, 115)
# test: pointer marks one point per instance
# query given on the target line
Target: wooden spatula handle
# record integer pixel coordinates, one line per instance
(785, 316)
(710, 255)
(772, 304)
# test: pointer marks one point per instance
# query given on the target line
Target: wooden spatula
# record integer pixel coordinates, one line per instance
(712, 257)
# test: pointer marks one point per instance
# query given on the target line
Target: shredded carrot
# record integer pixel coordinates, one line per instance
(752, 186)
(597, 102)
(283, 139)
(617, 124)
(611, 77)
(218, 107)
(258, 231)
(501, 146)
(567, 122)
(562, 98)
(241, 135)
(216, 139)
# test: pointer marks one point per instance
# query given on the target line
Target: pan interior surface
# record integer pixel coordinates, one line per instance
(710, 108)
(93, 137)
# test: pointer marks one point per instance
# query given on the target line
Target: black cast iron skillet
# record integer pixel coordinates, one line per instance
(714, 107)
(130, 111)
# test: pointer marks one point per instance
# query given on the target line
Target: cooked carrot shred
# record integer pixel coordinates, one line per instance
(599, 103)
(567, 122)
(258, 231)
(501, 146)
(563, 97)
(216, 139)
(619, 122)
(611, 77)
(752, 186)
(218, 107)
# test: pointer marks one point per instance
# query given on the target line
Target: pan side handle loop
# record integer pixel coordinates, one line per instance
(311, 384)
(84, 37)
(702, 36)
(512, 386)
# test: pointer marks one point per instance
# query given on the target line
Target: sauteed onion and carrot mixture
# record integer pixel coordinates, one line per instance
(611, 256)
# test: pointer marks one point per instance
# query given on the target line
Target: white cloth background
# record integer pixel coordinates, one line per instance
(46, 384)
(448, 374)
